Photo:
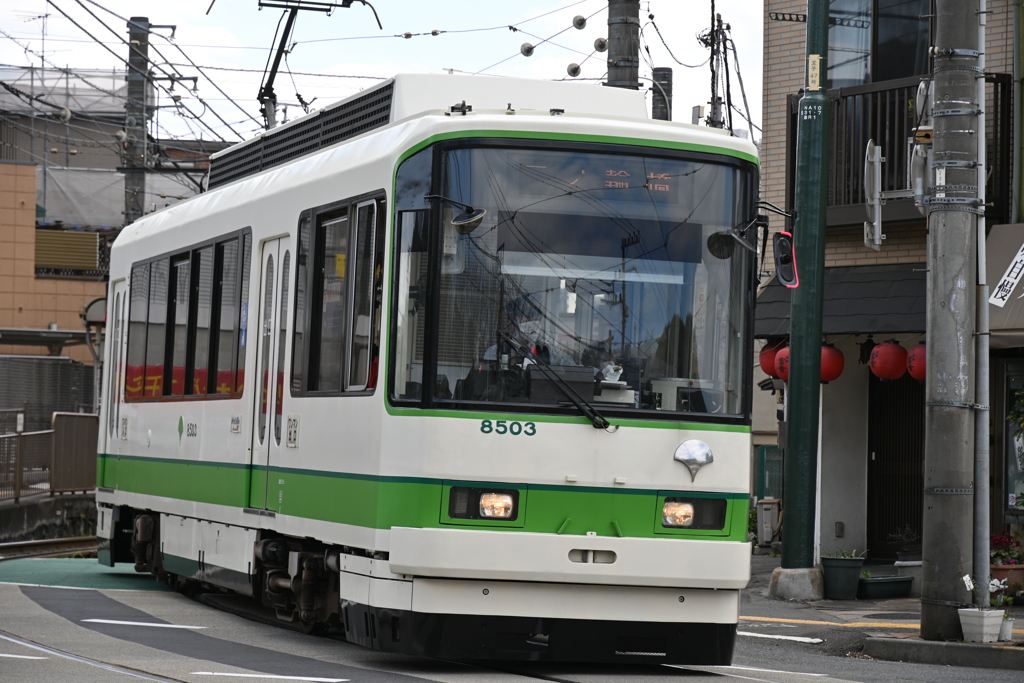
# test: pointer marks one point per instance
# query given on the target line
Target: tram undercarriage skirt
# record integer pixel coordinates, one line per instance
(457, 636)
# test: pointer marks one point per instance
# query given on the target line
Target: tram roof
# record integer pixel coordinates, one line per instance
(408, 96)
(413, 94)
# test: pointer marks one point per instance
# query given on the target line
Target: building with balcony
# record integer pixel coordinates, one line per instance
(872, 430)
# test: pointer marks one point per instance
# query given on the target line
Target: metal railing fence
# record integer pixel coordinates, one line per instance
(57, 460)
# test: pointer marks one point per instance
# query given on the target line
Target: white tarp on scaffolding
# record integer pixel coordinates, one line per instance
(95, 197)
(91, 92)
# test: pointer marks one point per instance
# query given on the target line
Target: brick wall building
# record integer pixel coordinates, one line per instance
(872, 435)
(29, 301)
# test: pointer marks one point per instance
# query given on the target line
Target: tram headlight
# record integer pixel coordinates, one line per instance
(686, 512)
(496, 505)
(676, 514)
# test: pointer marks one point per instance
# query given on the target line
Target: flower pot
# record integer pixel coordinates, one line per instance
(1006, 630)
(981, 626)
(842, 575)
(908, 555)
(883, 587)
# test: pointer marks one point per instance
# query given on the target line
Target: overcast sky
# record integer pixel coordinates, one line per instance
(232, 42)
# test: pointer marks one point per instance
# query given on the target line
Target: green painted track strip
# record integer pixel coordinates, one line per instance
(77, 573)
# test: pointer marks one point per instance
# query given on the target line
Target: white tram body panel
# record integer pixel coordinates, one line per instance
(358, 488)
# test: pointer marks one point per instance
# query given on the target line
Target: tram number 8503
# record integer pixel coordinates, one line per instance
(506, 427)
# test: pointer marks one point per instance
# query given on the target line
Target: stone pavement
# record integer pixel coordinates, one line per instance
(880, 629)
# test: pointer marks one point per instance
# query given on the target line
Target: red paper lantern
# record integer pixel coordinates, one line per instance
(832, 363)
(888, 360)
(916, 362)
(767, 359)
(782, 364)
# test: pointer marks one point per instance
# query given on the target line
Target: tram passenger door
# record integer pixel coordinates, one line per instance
(270, 370)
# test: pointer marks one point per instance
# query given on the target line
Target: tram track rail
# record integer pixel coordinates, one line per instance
(49, 547)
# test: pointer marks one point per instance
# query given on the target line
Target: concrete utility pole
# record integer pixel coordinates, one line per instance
(952, 272)
(661, 94)
(136, 119)
(812, 153)
(624, 44)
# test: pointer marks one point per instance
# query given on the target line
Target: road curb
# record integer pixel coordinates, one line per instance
(946, 653)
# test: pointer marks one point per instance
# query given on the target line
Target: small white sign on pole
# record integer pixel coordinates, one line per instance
(1002, 291)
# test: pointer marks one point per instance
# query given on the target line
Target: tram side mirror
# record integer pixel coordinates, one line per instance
(785, 259)
(721, 245)
(468, 221)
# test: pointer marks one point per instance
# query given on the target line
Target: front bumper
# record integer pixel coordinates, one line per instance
(522, 556)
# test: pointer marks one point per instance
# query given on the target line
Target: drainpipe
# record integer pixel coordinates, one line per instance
(1015, 193)
(982, 491)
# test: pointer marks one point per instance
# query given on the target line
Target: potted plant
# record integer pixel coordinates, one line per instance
(998, 589)
(841, 572)
(883, 587)
(980, 625)
(1007, 559)
(1006, 628)
(909, 542)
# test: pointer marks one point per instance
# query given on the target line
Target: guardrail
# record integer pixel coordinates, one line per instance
(58, 460)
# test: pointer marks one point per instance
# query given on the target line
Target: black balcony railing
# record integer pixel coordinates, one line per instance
(885, 112)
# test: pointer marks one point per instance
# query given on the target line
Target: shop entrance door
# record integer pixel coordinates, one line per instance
(895, 464)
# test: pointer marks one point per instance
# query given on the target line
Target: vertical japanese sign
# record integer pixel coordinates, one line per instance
(1002, 291)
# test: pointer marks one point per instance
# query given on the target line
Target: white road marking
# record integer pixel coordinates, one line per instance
(276, 678)
(137, 623)
(798, 639)
(704, 670)
(82, 660)
(22, 656)
(772, 671)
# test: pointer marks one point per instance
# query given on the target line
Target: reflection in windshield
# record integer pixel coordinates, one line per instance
(594, 264)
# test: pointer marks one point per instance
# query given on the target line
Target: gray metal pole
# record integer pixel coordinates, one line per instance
(950, 389)
(624, 44)
(982, 490)
(135, 119)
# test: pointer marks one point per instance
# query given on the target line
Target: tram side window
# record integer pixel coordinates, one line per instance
(244, 315)
(138, 316)
(187, 323)
(180, 289)
(339, 271)
(156, 333)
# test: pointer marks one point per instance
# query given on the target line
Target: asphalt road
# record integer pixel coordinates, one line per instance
(99, 633)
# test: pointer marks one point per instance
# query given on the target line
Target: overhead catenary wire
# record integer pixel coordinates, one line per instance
(185, 55)
(174, 77)
(148, 78)
(540, 43)
(670, 53)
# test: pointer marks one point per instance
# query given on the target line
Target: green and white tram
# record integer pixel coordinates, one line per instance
(466, 381)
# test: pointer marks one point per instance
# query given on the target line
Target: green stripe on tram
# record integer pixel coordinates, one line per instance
(579, 137)
(380, 502)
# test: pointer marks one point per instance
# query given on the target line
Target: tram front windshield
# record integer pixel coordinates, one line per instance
(590, 270)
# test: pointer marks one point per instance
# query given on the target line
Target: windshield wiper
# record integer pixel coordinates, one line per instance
(588, 411)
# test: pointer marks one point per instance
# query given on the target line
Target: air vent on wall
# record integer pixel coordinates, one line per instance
(323, 129)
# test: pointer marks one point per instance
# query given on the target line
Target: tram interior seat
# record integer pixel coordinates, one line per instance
(414, 390)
